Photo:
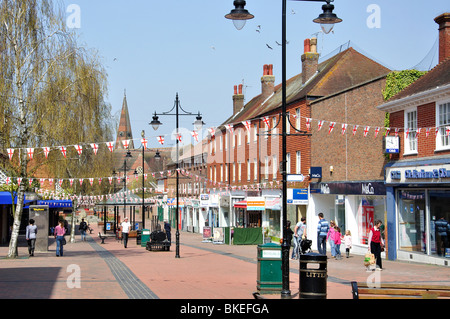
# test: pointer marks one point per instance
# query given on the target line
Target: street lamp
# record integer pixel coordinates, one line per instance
(327, 20)
(155, 123)
(124, 168)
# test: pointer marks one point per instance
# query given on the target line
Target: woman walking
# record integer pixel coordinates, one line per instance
(60, 231)
(376, 243)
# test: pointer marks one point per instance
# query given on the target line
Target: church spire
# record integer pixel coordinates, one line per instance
(124, 132)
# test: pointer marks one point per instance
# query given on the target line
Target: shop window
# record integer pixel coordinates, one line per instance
(439, 226)
(370, 208)
(411, 221)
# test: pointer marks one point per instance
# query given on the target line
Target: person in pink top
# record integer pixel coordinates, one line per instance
(60, 231)
(337, 242)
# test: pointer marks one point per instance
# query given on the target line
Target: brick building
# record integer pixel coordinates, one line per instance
(244, 153)
(418, 175)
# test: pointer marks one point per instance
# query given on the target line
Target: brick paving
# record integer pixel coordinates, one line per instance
(203, 271)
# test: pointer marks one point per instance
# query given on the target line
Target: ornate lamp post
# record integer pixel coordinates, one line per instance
(327, 19)
(155, 123)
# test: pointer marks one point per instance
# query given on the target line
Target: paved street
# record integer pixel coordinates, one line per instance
(91, 270)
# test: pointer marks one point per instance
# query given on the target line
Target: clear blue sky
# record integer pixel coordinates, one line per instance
(154, 49)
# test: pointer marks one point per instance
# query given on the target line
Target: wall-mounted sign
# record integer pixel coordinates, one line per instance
(425, 174)
(256, 203)
(316, 172)
(295, 178)
(392, 144)
(297, 196)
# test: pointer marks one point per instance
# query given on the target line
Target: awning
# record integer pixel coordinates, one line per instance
(55, 203)
(5, 198)
(241, 204)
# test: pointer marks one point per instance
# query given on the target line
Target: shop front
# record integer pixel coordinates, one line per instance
(353, 206)
(418, 202)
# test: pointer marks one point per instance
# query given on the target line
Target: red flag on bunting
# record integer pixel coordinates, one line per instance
(110, 146)
(79, 149)
(10, 153)
(94, 148)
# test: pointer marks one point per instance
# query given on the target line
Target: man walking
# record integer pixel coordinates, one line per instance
(125, 230)
(322, 230)
(82, 228)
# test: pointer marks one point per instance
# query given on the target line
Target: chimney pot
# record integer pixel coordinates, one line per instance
(306, 46)
(443, 21)
(267, 81)
(240, 89)
(235, 89)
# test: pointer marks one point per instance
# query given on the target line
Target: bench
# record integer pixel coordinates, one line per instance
(360, 290)
(104, 236)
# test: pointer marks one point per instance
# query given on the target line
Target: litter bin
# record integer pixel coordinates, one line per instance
(145, 237)
(269, 276)
(313, 276)
(138, 237)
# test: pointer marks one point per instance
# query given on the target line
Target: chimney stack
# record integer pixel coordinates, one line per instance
(267, 81)
(238, 99)
(310, 59)
(444, 35)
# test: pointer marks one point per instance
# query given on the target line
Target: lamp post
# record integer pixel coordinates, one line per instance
(128, 155)
(143, 205)
(114, 175)
(155, 123)
(327, 19)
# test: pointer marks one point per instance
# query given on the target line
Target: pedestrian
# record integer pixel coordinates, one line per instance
(125, 231)
(442, 229)
(299, 234)
(322, 230)
(337, 243)
(289, 233)
(348, 242)
(82, 228)
(167, 229)
(330, 238)
(30, 235)
(60, 231)
(376, 243)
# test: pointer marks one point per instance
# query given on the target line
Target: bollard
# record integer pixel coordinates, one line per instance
(313, 276)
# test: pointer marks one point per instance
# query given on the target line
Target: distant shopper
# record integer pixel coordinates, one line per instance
(322, 231)
(82, 228)
(30, 235)
(337, 243)
(289, 233)
(167, 229)
(348, 242)
(330, 238)
(299, 234)
(60, 231)
(125, 231)
(376, 243)
(442, 229)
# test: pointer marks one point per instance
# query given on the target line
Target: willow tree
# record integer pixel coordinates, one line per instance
(52, 90)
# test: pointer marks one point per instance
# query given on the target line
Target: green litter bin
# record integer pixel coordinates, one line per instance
(145, 237)
(269, 273)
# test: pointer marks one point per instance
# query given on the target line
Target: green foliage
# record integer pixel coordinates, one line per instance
(398, 80)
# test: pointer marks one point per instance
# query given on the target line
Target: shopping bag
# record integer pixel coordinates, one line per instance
(369, 259)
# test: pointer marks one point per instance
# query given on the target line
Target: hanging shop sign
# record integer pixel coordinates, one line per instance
(297, 196)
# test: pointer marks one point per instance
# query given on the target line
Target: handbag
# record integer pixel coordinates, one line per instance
(369, 259)
(63, 241)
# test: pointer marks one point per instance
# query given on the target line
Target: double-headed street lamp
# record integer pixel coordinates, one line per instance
(155, 123)
(327, 19)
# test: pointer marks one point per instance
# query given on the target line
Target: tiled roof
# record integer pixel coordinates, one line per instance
(344, 70)
(436, 77)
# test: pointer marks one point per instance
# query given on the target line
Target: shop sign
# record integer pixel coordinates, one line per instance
(297, 196)
(350, 188)
(204, 200)
(256, 203)
(392, 145)
(428, 174)
(316, 172)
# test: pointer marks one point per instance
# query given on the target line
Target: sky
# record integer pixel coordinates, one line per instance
(153, 50)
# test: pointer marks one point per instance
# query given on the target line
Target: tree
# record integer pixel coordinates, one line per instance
(52, 92)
